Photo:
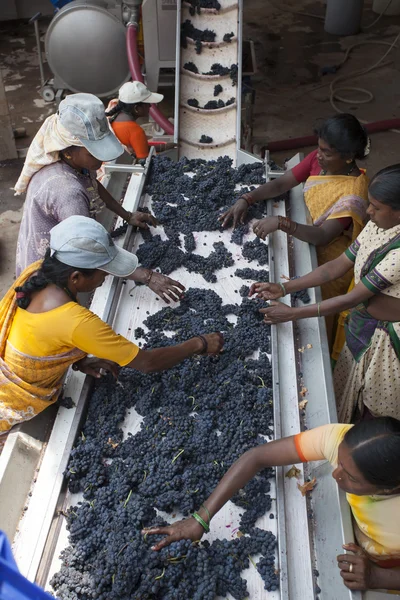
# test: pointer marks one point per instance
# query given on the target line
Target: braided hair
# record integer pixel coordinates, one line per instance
(128, 109)
(51, 271)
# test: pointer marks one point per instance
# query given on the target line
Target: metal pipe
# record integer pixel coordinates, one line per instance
(35, 21)
(114, 168)
(136, 72)
(311, 140)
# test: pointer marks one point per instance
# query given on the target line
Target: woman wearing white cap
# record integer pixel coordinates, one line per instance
(134, 101)
(59, 178)
(32, 362)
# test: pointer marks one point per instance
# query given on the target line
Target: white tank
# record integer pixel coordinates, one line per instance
(86, 49)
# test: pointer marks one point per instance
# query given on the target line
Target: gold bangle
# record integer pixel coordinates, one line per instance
(319, 309)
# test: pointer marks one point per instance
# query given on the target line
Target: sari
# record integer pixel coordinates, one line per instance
(28, 384)
(375, 518)
(336, 197)
(367, 373)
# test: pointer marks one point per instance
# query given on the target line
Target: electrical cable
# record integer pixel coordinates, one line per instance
(378, 18)
(333, 95)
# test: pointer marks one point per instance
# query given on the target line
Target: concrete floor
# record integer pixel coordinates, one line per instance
(290, 92)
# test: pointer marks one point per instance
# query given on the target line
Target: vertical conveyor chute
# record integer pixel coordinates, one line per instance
(220, 123)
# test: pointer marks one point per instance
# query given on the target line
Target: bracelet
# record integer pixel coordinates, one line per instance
(205, 344)
(130, 214)
(149, 276)
(286, 225)
(201, 521)
(247, 198)
(319, 309)
(207, 511)
(283, 288)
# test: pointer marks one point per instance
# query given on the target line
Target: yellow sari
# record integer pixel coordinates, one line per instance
(28, 384)
(335, 197)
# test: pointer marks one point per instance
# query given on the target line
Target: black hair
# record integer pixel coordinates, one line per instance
(385, 186)
(375, 449)
(345, 134)
(51, 271)
(122, 107)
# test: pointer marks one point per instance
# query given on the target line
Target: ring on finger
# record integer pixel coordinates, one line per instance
(351, 568)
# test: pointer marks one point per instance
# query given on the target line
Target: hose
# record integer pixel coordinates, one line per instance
(136, 72)
(311, 140)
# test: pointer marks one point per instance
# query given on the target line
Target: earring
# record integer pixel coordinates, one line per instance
(68, 156)
(349, 161)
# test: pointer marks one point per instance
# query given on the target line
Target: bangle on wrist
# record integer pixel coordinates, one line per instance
(319, 309)
(129, 217)
(148, 277)
(286, 225)
(247, 198)
(204, 507)
(283, 289)
(201, 521)
(204, 343)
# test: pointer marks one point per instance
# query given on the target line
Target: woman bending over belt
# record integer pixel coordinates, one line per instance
(367, 373)
(336, 195)
(43, 329)
(365, 459)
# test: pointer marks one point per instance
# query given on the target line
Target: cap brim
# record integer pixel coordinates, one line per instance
(154, 98)
(108, 148)
(123, 265)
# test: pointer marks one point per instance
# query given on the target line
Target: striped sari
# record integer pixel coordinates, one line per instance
(367, 373)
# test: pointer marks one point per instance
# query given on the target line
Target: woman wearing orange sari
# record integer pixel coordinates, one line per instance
(336, 195)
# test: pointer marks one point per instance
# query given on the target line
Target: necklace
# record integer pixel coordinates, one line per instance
(68, 292)
(353, 166)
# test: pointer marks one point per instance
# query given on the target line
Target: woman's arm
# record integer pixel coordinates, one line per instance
(318, 236)
(165, 287)
(137, 219)
(281, 313)
(159, 359)
(278, 453)
(334, 269)
(271, 189)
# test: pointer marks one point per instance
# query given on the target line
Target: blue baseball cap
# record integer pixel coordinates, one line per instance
(83, 243)
(83, 115)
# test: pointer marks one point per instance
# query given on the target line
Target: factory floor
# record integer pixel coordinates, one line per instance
(290, 92)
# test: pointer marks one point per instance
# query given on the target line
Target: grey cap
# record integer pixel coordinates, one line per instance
(83, 115)
(83, 243)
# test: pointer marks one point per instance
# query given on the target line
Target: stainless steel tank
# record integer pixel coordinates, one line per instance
(86, 49)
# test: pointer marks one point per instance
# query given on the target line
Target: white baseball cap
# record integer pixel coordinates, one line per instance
(135, 91)
(83, 243)
(83, 115)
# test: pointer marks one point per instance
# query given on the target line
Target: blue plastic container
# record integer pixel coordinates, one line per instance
(13, 586)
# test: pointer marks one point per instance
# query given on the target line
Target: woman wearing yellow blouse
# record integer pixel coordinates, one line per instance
(365, 459)
(43, 329)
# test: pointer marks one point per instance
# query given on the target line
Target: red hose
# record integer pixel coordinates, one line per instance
(311, 140)
(136, 72)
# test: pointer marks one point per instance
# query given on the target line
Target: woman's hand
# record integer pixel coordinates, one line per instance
(215, 343)
(361, 575)
(266, 291)
(93, 366)
(278, 312)
(188, 529)
(165, 287)
(237, 212)
(142, 220)
(264, 227)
